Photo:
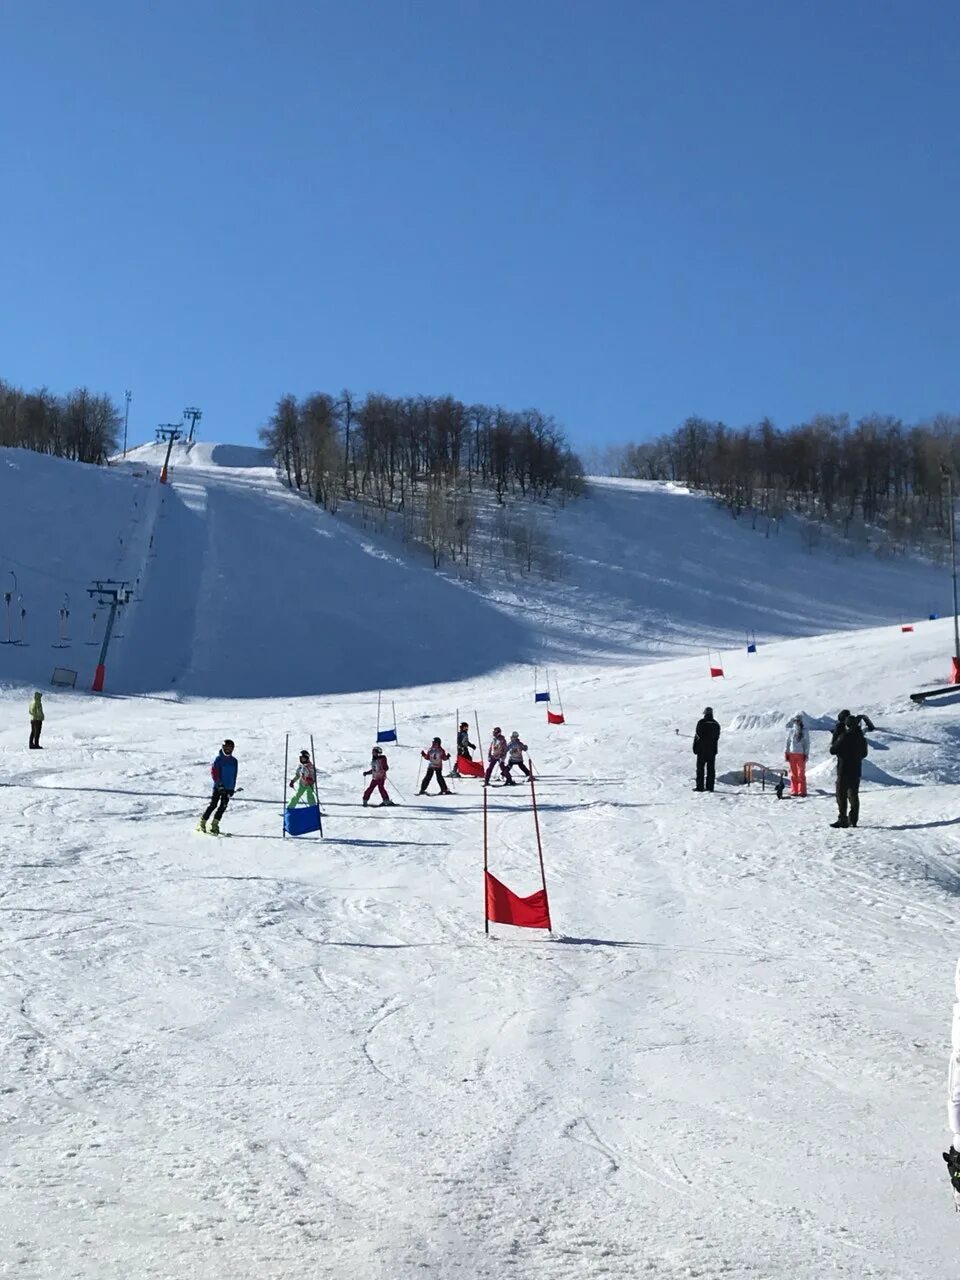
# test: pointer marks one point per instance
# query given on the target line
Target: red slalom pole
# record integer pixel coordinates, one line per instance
(486, 917)
(536, 823)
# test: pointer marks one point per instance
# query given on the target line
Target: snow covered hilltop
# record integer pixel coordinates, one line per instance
(268, 1058)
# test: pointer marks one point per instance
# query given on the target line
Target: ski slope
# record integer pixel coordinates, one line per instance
(260, 1057)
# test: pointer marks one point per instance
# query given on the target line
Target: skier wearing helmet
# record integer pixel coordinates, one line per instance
(305, 779)
(377, 773)
(464, 747)
(224, 774)
(435, 756)
(515, 750)
(495, 753)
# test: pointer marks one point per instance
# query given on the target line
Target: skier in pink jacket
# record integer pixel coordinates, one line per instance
(377, 773)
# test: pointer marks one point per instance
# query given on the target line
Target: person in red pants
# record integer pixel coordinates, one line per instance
(796, 752)
(377, 773)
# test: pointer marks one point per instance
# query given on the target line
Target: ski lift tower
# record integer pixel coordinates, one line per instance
(192, 416)
(167, 431)
(108, 591)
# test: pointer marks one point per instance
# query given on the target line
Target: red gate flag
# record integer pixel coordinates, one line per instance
(716, 671)
(555, 717)
(469, 768)
(907, 627)
(505, 907)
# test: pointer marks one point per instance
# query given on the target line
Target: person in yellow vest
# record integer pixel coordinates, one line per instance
(36, 720)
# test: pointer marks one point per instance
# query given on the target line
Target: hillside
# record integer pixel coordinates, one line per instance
(244, 588)
(287, 1060)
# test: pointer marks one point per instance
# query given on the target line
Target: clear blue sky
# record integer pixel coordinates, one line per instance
(621, 211)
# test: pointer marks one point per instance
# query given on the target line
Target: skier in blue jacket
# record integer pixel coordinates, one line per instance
(224, 774)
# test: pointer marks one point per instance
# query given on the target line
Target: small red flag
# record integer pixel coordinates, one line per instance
(716, 671)
(505, 907)
(555, 717)
(469, 768)
(907, 627)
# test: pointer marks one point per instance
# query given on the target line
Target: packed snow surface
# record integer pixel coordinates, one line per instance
(268, 1058)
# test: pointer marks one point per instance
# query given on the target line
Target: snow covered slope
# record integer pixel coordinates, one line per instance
(267, 1058)
(244, 589)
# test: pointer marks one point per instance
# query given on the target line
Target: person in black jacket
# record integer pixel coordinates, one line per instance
(850, 748)
(705, 741)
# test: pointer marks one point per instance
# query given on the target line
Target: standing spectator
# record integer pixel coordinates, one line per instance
(795, 754)
(705, 741)
(36, 720)
(850, 748)
(377, 773)
(515, 750)
(305, 780)
(495, 753)
(435, 756)
(224, 774)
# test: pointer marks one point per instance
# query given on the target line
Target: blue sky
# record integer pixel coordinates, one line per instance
(620, 212)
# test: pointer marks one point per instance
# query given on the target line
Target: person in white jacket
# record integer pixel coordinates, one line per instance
(952, 1157)
(795, 754)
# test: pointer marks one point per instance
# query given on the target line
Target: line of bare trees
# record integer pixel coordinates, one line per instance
(878, 481)
(81, 425)
(421, 464)
(386, 448)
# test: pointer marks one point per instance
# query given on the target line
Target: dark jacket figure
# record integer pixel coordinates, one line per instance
(464, 747)
(850, 748)
(223, 771)
(705, 742)
(863, 721)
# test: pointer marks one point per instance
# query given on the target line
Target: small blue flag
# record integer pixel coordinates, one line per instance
(541, 697)
(752, 647)
(387, 735)
(934, 617)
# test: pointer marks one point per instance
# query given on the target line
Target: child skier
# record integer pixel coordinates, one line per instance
(435, 757)
(464, 747)
(495, 754)
(515, 750)
(305, 779)
(377, 773)
(224, 774)
(36, 720)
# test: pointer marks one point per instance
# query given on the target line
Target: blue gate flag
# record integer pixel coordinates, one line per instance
(752, 647)
(541, 697)
(302, 820)
(934, 617)
(386, 735)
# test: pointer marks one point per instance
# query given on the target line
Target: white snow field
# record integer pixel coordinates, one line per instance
(267, 1058)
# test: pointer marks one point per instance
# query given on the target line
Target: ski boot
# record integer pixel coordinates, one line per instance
(202, 826)
(952, 1159)
(388, 803)
(214, 828)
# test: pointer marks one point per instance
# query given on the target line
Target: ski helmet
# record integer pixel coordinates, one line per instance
(378, 751)
(497, 729)
(463, 724)
(708, 711)
(436, 742)
(227, 744)
(304, 755)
